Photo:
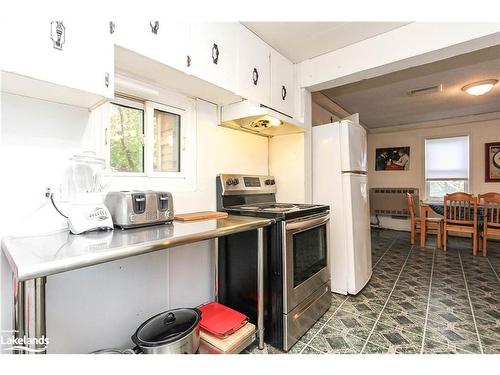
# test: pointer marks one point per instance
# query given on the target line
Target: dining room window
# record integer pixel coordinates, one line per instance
(446, 166)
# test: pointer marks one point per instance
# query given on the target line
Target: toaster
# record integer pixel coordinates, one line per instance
(131, 209)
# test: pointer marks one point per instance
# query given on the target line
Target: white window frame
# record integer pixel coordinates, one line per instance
(427, 181)
(132, 104)
(149, 140)
(185, 179)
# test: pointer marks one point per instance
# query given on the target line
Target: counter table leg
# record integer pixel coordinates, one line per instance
(29, 311)
(18, 304)
(260, 286)
(216, 267)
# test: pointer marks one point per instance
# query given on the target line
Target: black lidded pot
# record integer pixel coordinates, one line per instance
(174, 331)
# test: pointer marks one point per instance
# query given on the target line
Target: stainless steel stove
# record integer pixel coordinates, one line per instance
(296, 266)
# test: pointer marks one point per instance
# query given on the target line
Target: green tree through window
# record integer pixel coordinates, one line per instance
(126, 139)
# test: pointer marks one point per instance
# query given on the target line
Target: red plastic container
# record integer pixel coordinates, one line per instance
(221, 320)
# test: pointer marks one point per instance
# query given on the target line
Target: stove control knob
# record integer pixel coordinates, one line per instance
(269, 182)
(232, 181)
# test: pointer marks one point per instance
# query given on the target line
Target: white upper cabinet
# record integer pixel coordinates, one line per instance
(254, 78)
(165, 42)
(46, 53)
(281, 83)
(213, 53)
(66, 52)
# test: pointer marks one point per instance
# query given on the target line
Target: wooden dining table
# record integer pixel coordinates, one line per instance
(438, 208)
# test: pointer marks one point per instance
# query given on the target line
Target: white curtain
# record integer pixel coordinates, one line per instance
(447, 158)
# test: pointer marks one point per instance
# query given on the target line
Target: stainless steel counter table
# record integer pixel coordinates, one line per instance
(34, 258)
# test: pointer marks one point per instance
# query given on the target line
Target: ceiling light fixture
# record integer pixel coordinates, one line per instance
(480, 88)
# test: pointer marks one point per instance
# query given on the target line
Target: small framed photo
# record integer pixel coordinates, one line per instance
(492, 162)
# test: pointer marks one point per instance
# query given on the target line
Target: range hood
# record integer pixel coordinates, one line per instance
(258, 119)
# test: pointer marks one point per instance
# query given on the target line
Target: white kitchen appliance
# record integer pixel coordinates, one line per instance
(340, 181)
(87, 211)
(89, 215)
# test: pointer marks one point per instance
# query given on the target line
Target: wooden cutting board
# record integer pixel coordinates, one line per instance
(229, 343)
(202, 215)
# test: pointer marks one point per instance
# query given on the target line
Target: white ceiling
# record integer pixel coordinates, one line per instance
(384, 101)
(299, 41)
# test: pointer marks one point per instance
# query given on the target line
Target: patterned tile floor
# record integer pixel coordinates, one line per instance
(417, 301)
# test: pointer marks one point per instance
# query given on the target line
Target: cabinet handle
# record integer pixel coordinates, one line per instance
(106, 80)
(111, 27)
(283, 92)
(255, 76)
(154, 27)
(57, 34)
(188, 61)
(215, 54)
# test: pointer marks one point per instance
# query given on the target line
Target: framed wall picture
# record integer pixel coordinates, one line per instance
(392, 158)
(492, 162)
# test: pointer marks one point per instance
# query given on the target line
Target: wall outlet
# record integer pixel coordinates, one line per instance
(59, 193)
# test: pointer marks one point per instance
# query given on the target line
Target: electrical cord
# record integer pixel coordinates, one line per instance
(54, 204)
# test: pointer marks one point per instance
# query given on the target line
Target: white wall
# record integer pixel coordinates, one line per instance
(287, 165)
(102, 305)
(321, 116)
(479, 132)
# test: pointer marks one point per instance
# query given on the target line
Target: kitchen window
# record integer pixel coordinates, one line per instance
(166, 136)
(126, 137)
(166, 154)
(446, 166)
(149, 139)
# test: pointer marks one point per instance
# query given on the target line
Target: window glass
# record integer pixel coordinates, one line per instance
(126, 139)
(166, 154)
(441, 188)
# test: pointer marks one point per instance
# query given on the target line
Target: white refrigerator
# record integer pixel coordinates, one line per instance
(340, 180)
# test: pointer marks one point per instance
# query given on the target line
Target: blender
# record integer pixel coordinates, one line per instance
(87, 211)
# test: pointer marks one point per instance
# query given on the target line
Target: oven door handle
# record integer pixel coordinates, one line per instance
(308, 223)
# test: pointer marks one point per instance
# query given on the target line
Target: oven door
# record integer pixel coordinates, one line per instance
(305, 258)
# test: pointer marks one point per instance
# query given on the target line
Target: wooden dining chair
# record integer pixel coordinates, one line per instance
(491, 218)
(434, 224)
(460, 215)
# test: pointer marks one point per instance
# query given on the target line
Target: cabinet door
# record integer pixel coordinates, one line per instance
(253, 67)
(281, 83)
(165, 42)
(68, 52)
(213, 53)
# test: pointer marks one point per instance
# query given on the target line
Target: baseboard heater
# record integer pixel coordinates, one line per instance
(391, 202)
